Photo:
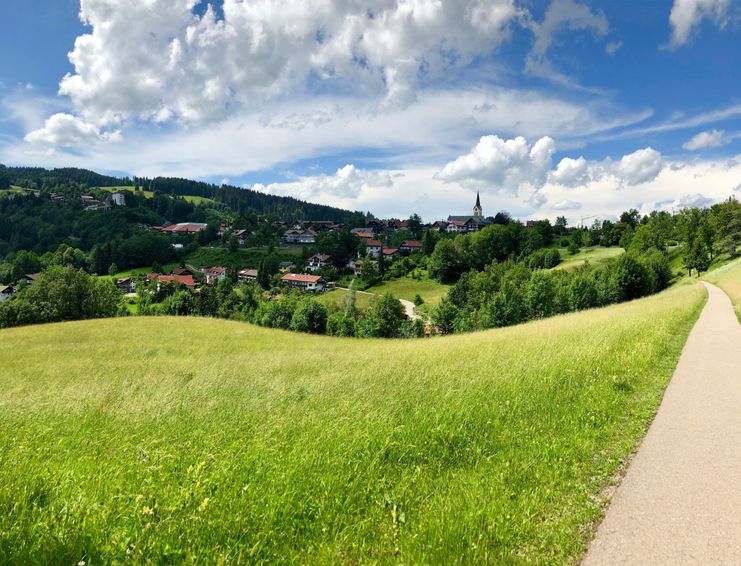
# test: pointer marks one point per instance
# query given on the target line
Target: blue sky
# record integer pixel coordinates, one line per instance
(574, 107)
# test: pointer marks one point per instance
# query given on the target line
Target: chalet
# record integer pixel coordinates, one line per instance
(300, 237)
(285, 266)
(355, 265)
(410, 247)
(303, 282)
(365, 235)
(6, 291)
(184, 228)
(126, 285)
(373, 247)
(247, 275)
(180, 271)
(241, 236)
(213, 274)
(318, 261)
(390, 254)
(439, 226)
(57, 197)
(31, 278)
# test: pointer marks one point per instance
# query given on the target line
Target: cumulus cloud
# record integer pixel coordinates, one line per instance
(696, 200)
(66, 130)
(505, 165)
(562, 15)
(567, 205)
(158, 60)
(710, 138)
(639, 167)
(347, 183)
(687, 15)
(571, 172)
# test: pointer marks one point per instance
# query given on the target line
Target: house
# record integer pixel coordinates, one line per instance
(390, 254)
(6, 291)
(410, 247)
(213, 274)
(303, 282)
(57, 197)
(373, 247)
(180, 271)
(294, 236)
(247, 275)
(186, 280)
(126, 285)
(285, 266)
(241, 236)
(364, 235)
(31, 278)
(118, 198)
(318, 261)
(184, 228)
(439, 226)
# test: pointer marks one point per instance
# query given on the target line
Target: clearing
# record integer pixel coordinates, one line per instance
(177, 440)
(594, 255)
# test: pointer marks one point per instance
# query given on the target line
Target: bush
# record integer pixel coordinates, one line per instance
(630, 279)
(540, 297)
(182, 303)
(274, 314)
(310, 316)
(341, 324)
(384, 320)
(418, 300)
(583, 293)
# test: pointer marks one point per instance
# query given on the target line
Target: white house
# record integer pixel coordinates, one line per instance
(373, 248)
(6, 291)
(118, 198)
(303, 282)
(316, 262)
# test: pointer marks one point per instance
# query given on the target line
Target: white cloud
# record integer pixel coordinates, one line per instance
(567, 205)
(344, 186)
(158, 60)
(505, 165)
(696, 200)
(639, 167)
(688, 14)
(571, 172)
(561, 15)
(710, 138)
(66, 130)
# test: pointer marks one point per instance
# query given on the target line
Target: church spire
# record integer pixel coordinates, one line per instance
(477, 210)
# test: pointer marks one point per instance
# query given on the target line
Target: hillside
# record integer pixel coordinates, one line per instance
(184, 439)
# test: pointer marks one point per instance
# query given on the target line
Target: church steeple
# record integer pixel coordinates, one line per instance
(477, 210)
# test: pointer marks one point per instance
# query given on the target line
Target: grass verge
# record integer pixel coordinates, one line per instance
(174, 440)
(728, 278)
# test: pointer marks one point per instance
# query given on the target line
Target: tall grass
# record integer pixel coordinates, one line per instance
(178, 440)
(728, 278)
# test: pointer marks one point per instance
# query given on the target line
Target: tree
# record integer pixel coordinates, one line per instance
(113, 269)
(559, 227)
(445, 262)
(340, 324)
(350, 299)
(25, 262)
(384, 320)
(429, 240)
(414, 225)
(233, 244)
(181, 303)
(630, 279)
(310, 316)
(540, 297)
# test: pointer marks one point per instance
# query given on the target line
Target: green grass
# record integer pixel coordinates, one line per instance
(728, 278)
(150, 194)
(594, 255)
(337, 297)
(195, 440)
(406, 288)
(167, 268)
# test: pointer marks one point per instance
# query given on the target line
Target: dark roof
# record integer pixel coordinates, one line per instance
(478, 200)
(468, 218)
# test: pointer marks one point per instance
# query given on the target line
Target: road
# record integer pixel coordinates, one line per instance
(680, 500)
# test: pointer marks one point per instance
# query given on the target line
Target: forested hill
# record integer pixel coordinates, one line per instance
(246, 201)
(241, 201)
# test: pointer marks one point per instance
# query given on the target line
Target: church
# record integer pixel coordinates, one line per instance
(469, 223)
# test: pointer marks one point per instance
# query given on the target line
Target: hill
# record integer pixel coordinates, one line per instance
(172, 440)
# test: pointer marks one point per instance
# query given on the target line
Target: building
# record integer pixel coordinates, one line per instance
(184, 228)
(31, 278)
(285, 266)
(318, 261)
(6, 291)
(303, 237)
(303, 282)
(213, 274)
(373, 247)
(469, 223)
(186, 280)
(410, 246)
(118, 198)
(390, 254)
(247, 275)
(126, 285)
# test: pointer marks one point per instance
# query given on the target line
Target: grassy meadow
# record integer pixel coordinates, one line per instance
(363, 300)
(202, 440)
(728, 278)
(595, 255)
(406, 288)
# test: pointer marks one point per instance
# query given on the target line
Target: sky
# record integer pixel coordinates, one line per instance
(580, 108)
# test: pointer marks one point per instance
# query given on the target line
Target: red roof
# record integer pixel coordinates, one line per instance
(411, 244)
(300, 278)
(248, 273)
(390, 251)
(366, 235)
(186, 280)
(373, 244)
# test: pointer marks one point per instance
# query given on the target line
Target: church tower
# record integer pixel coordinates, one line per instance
(477, 210)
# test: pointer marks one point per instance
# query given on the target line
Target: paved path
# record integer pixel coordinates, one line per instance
(680, 501)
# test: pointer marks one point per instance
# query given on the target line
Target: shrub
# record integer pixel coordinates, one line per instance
(310, 316)
(583, 293)
(341, 324)
(629, 280)
(418, 300)
(540, 297)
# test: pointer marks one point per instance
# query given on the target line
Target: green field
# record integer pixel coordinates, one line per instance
(167, 268)
(728, 278)
(337, 297)
(406, 288)
(150, 194)
(165, 440)
(594, 255)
